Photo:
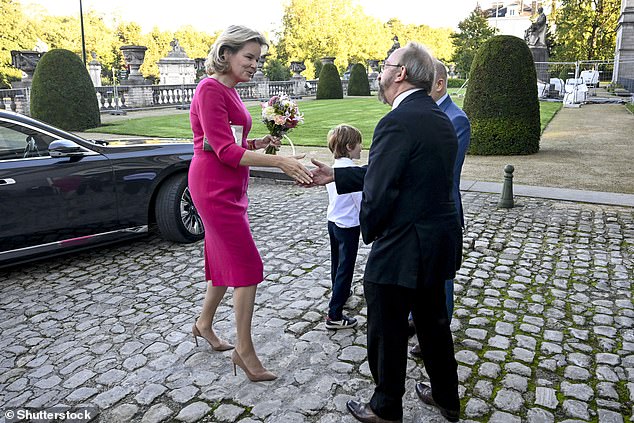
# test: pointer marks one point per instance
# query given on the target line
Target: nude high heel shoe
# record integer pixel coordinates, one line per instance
(223, 346)
(260, 377)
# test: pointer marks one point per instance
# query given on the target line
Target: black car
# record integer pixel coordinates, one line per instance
(60, 192)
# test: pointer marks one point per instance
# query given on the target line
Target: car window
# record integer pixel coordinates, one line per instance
(22, 142)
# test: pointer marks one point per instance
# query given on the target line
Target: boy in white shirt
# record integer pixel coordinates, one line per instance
(344, 141)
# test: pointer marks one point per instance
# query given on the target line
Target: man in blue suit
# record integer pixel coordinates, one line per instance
(409, 216)
(462, 126)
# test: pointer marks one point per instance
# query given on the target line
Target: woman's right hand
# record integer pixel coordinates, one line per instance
(291, 166)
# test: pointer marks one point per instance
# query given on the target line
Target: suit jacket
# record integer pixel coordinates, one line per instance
(462, 126)
(407, 209)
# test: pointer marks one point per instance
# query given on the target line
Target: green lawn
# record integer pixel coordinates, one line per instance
(319, 118)
(630, 107)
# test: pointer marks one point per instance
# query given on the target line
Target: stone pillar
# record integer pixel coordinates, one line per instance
(624, 55)
(177, 68)
(299, 82)
(540, 58)
(26, 61)
(134, 56)
(138, 97)
(327, 59)
(373, 74)
(262, 89)
(259, 74)
(94, 70)
(199, 63)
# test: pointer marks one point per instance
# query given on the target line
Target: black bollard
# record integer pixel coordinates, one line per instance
(506, 199)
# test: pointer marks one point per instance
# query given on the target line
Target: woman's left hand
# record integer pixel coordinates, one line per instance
(268, 140)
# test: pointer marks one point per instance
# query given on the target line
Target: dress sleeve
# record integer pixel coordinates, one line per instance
(214, 118)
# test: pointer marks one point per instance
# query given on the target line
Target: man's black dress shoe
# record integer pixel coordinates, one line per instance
(364, 413)
(424, 393)
(416, 351)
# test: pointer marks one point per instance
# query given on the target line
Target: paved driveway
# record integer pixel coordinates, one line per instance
(544, 322)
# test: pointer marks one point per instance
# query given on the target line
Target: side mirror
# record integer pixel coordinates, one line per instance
(66, 148)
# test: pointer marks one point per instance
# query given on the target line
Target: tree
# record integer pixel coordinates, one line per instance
(358, 83)
(501, 99)
(158, 45)
(275, 70)
(62, 93)
(313, 29)
(437, 40)
(586, 29)
(65, 32)
(316, 28)
(472, 33)
(329, 86)
(195, 43)
(17, 33)
(128, 33)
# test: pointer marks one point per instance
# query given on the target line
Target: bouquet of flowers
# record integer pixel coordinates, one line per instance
(280, 114)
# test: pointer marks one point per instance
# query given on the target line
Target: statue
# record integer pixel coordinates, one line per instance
(394, 47)
(535, 34)
(177, 50)
(176, 46)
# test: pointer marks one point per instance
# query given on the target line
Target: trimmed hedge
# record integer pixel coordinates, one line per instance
(455, 82)
(62, 92)
(329, 85)
(358, 83)
(501, 99)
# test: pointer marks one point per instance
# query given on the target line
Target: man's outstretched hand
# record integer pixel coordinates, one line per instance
(322, 175)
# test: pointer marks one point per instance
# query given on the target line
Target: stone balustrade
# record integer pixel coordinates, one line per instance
(15, 100)
(107, 99)
(165, 95)
(149, 96)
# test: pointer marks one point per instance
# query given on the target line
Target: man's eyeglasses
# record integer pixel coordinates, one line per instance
(384, 65)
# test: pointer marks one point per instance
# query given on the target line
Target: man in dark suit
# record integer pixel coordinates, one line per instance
(462, 126)
(408, 213)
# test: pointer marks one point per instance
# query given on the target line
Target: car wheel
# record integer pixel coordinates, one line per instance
(176, 214)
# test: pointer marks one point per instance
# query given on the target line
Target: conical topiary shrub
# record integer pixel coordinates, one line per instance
(329, 85)
(501, 99)
(62, 93)
(358, 83)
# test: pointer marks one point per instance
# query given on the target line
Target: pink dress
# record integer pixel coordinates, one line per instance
(218, 184)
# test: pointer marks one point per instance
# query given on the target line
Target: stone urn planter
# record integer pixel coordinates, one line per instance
(373, 65)
(297, 68)
(134, 56)
(327, 59)
(26, 61)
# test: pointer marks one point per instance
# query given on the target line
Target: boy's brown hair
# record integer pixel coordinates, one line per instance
(342, 136)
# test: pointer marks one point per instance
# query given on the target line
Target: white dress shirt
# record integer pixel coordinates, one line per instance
(441, 99)
(343, 210)
(402, 96)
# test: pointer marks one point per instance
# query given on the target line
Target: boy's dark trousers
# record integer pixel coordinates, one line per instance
(344, 244)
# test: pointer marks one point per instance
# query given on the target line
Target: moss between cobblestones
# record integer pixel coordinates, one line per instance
(210, 414)
(216, 404)
(626, 405)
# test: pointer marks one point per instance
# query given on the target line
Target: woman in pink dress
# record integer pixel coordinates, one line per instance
(218, 181)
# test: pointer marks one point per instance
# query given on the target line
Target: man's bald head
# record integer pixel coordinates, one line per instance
(441, 70)
(439, 88)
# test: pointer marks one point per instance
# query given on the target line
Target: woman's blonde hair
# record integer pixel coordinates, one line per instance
(342, 136)
(231, 40)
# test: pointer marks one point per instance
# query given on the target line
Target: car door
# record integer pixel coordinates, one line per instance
(45, 199)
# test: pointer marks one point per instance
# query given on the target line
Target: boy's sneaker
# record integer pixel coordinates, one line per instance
(345, 323)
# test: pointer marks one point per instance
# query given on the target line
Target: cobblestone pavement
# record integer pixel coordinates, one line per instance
(543, 323)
